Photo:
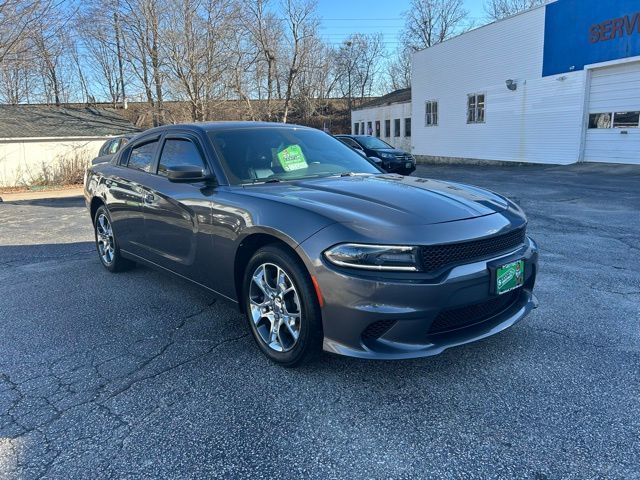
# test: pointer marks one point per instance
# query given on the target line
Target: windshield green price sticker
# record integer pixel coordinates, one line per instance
(292, 158)
(509, 277)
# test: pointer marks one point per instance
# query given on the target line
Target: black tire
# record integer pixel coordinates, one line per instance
(309, 341)
(117, 262)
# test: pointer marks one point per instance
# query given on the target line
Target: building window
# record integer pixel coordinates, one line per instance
(475, 108)
(626, 120)
(614, 120)
(396, 127)
(431, 113)
(407, 127)
(378, 128)
(369, 128)
(362, 132)
(387, 128)
(356, 128)
(600, 120)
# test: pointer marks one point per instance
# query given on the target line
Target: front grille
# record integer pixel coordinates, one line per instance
(435, 257)
(377, 329)
(465, 316)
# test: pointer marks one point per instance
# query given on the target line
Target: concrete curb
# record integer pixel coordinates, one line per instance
(432, 160)
(42, 194)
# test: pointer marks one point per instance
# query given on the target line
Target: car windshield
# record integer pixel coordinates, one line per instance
(264, 154)
(373, 143)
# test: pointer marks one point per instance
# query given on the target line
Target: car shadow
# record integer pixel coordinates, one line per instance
(170, 290)
(63, 202)
(25, 254)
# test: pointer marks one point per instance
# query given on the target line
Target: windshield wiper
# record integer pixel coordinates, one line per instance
(270, 180)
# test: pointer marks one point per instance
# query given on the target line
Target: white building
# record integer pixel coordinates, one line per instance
(36, 138)
(556, 84)
(388, 118)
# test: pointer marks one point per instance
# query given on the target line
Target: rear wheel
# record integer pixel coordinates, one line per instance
(281, 307)
(106, 243)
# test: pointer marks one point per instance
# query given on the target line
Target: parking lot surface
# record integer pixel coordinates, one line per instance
(143, 375)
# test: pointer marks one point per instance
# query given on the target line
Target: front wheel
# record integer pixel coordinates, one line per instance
(281, 306)
(106, 244)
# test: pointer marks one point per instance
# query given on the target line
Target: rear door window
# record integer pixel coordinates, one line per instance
(113, 147)
(179, 151)
(141, 157)
(351, 143)
(105, 150)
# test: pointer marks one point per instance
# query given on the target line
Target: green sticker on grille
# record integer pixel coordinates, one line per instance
(509, 277)
(292, 158)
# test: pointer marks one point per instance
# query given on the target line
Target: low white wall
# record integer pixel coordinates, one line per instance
(22, 160)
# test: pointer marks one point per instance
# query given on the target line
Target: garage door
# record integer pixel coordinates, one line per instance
(614, 115)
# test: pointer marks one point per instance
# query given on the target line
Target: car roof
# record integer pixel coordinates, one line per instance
(355, 137)
(226, 125)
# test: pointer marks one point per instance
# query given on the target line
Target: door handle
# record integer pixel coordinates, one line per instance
(148, 198)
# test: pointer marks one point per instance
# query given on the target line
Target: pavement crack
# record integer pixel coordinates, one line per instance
(144, 378)
(569, 337)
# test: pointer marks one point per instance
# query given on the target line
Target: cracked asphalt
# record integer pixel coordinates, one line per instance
(140, 375)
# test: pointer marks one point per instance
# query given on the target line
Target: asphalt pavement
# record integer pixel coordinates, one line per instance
(141, 375)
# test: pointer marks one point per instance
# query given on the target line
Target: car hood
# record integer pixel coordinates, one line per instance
(393, 151)
(384, 199)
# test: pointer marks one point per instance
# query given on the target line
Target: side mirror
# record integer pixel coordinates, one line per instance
(188, 173)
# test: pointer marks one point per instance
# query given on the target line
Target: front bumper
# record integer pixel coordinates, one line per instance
(382, 318)
(398, 166)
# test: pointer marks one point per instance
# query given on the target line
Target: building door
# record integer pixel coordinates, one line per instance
(613, 130)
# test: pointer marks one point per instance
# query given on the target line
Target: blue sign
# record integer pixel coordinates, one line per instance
(582, 32)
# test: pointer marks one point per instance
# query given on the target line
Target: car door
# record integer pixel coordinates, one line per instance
(126, 187)
(177, 214)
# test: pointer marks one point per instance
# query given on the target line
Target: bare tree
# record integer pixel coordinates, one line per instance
(359, 62)
(497, 9)
(196, 52)
(399, 69)
(315, 81)
(97, 36)
(429, 22)
(141, 27)
(17, 76)
(17, 17)
(302, 28)
(265, 29)
(53, 46)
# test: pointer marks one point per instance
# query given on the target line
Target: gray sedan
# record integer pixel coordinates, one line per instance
(319, 248)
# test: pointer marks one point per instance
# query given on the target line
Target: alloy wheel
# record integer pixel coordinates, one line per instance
(104, 235)
(275, 307)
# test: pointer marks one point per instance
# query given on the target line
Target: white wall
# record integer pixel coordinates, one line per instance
(22, 160)
(382, 113)
(542, 121)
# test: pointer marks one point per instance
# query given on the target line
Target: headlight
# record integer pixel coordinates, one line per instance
(374, 257)
(387, 155)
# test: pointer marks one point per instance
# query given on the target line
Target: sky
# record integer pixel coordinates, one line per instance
(343, 17)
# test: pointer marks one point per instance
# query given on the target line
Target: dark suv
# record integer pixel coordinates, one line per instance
(392, 159)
